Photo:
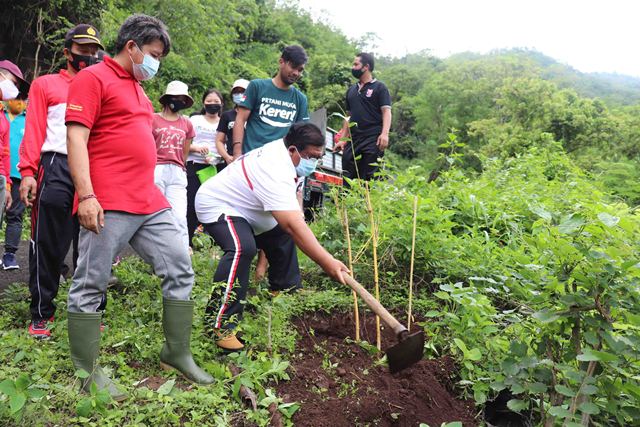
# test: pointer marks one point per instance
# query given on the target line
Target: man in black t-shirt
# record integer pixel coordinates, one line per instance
(224, 138)
(369, 107)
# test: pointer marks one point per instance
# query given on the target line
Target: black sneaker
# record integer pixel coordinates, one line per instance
(40, 328)
(9, 261)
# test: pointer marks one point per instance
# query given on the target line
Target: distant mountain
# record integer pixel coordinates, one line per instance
(614, 89)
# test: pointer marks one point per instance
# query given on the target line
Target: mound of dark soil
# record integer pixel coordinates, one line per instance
(338, 382)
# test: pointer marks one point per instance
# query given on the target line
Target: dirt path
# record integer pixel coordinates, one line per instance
(21, 275)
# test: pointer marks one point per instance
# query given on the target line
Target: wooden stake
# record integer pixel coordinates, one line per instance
(374, 242)
(413, 253)
(344, 218)
(356, 313)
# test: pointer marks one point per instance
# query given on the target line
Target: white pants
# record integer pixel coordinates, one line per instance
(172, 181)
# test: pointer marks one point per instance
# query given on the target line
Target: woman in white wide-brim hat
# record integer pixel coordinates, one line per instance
(173, 133)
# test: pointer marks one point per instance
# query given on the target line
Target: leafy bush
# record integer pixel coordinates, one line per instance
(534, 270)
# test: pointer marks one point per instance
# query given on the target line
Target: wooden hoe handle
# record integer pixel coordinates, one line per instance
(375, 305)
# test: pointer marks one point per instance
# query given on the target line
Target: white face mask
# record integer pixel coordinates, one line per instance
(8, 88)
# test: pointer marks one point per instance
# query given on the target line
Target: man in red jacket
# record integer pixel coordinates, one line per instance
(43, 156)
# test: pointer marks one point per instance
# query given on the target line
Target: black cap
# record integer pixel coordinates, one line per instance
(83, 34)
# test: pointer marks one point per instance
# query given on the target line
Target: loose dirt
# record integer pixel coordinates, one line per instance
(338, 382)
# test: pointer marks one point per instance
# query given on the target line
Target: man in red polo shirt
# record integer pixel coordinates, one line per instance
(112, 157)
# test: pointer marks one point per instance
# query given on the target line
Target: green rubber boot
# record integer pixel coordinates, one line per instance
(177, 317)
(84, 344)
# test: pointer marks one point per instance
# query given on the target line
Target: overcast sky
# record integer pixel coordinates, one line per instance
(588, 35)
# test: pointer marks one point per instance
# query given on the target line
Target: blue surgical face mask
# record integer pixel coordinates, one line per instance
(306, 166)
(147, 69)
(237, 98)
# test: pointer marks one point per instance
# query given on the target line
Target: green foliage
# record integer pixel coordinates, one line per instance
(32, 33)
(534, 273)
(527, 264)
(97, 402)
(39, 387)
(21, 391)
(215, 42)
(502, 104)
(621, 178)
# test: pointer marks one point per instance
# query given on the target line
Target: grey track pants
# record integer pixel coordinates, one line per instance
(155, 237)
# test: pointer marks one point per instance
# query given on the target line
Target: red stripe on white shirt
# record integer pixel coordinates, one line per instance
(244, 171)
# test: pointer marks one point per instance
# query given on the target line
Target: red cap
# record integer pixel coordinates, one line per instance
(13, 69)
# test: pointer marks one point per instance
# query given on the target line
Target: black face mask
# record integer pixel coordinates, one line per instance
(357, 73)
(82, 61)
(212, 108)
(176, 105)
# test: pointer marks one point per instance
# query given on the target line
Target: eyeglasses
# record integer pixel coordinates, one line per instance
(319, 159)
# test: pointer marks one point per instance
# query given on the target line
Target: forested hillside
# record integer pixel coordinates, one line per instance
(525, 177)
(214, 41)
(498, 103)
(614, 89)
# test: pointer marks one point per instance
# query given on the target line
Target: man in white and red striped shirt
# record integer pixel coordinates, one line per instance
(252, 205)
(46, 182)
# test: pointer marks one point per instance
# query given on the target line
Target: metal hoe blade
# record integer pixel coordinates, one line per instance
(408, 351)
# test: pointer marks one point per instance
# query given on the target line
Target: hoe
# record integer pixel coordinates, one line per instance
(409, 349)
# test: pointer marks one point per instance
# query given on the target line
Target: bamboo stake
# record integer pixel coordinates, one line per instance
(374, 241)
(356, 313)
(413, 253)
(344, 218)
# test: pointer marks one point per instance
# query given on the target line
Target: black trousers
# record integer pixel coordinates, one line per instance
(368, 153)
(13, 217)
(193, 184)
(53, 228)
(235, 237)
(284, 272)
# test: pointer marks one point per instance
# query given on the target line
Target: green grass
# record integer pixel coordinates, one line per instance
(129, 351)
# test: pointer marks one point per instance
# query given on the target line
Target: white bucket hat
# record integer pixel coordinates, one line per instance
(243, 83)
(177, 88)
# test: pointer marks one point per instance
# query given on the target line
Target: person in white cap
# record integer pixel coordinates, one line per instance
(173, 133)
(224, 139)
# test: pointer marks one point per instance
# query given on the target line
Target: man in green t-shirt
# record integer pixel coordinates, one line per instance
(271, 106)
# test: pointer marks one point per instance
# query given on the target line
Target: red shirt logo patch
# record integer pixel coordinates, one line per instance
(369, 93)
